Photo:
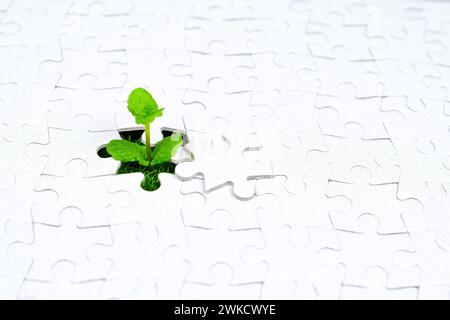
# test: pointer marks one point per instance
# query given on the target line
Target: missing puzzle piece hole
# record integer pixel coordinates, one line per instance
(151, 181)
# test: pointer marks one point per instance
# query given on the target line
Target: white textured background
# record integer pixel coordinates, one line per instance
(319, 131)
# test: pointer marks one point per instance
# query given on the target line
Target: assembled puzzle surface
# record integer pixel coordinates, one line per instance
(315, 164)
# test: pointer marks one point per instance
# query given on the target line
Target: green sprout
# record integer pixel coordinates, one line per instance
(137, 157)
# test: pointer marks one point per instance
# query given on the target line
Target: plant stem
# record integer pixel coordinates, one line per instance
(147, 142)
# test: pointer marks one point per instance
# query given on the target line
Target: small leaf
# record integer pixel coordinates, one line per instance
(126, 151)
(166, 148)
(143, 107)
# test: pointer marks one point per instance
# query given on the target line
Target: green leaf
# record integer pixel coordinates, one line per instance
(165, 149)
(127, 151)
(143, 107)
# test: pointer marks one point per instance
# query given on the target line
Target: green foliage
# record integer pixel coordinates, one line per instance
(127, 151)
(166, 148)
(136, 156)
(143, 107)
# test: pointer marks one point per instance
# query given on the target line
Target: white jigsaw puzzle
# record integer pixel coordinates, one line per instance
(315, 161)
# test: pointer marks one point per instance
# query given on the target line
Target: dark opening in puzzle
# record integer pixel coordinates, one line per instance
(151, 172)
(136, 155)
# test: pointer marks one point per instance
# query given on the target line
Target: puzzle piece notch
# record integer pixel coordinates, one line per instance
(330, 73)
(435, 207)
(74, 189)
(20, 66)
(100, 105)
(71, 245)
(292, 290)
(77, 142)
(439, 82)
(376, 288)
(352, 11)
(416, 160)
(361, 250)
(235, 108)
(349, 109)
(156, 32)
(300, 211)
(428, 256)
(215, 63)
(427, 123)
(406, 44)
(410, 84)
(339, 34)
(381, 14)
(149, 209)
(62, 285)
(96, 23)
(140, 60)
(343, 154)
(278, 35)
(267, 76)
(236, 155)
(14, 271)
(202, 31)
(244, 212)
(30, 28)
(232, 9)
(222, 286)
(380, 200)
(140, 266)
(27, 110)
(202, 253)
(111, 8)
(287, 260)
(87, 59)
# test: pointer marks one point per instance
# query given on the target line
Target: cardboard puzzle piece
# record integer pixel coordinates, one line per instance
(21, 66)
(376, 288)
(156, 32)
(74, 189)
(301, 211)
(287, 260)
(339, 34)
(354, 12)
(350, 109)
(61, 286)
(96, 23)
(13, 272)
(227, 152)
(244, 213)
(141, 264)
(201, 250)
(150, 209)
(330, 73)
(215, 63)
(235, 108)
(343, 154)
(361, 250)
(269, 77)
(135, 71)
(315, 161)
(86, 59)
(77, 142)
(221, 288)
(388, 208)
(277, 37)
(203, 31)
(428, 256)
(99, 105)
(72, 243)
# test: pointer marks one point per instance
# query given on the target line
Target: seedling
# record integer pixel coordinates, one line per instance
(135, 156)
